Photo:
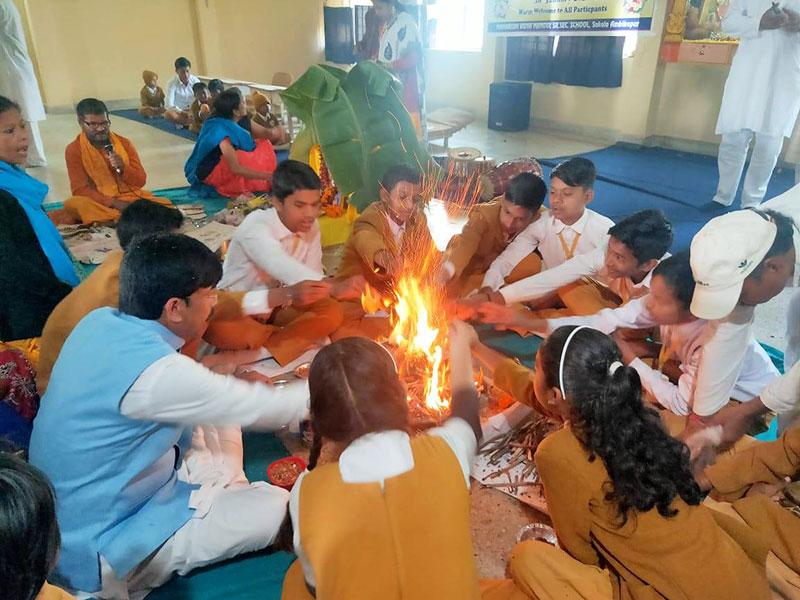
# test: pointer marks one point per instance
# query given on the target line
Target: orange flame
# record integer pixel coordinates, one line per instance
(421, 341)
(418, 338)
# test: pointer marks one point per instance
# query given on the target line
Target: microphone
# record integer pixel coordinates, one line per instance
(109, 148)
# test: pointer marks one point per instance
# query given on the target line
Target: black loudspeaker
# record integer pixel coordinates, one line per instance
(509, 106)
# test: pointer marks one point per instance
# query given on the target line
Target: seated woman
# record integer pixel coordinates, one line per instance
(36, 270)
(226, 157)
(29, 533)
(621, 493)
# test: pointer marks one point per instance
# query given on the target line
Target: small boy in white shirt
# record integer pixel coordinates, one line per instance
(587, 283)
(279, 249)
(567, 230)
(682, 338)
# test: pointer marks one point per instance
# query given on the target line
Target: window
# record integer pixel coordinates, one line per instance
(456, 25)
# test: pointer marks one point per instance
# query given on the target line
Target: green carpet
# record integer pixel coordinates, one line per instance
(256, 576)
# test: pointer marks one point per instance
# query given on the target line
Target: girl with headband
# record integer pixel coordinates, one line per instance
(621, 493)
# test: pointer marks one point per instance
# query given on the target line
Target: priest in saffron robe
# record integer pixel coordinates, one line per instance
(105, 173)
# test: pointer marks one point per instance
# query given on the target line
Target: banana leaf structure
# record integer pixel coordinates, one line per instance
(358, 119)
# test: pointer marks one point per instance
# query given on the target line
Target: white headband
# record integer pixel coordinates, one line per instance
(563, 354)
(612, 368)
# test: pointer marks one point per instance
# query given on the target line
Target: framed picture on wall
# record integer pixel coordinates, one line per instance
(693, 32)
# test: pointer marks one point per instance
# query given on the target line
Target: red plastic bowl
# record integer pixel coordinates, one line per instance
(293, 464)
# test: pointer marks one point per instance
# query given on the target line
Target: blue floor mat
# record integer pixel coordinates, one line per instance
(159, 123)
(631, 178)
(256, 576)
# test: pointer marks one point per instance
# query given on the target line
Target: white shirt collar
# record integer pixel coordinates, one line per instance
(279, 231)
(578, 226)
(646, 281)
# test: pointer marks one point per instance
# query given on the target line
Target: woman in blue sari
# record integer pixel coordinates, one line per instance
(226, 157)
(36, 270)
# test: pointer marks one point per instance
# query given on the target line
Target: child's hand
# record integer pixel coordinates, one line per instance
(309, 292)
(348, 289)
(464, 308)
(387, 263)
(463, 333)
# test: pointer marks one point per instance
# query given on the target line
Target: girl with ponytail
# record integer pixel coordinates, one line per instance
(621, 493)
(376, 504)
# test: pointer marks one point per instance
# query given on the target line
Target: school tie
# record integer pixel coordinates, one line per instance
(569, 250)
(666, 352)
(295, 245)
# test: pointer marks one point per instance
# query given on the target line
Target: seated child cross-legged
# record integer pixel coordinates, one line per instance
(671, 383)
(278, 250)
(567, 230)
(366, 523)
(151, 96)
(489, 230)
(389, 232)
(606, 277)
(201, 107)
(621, 492)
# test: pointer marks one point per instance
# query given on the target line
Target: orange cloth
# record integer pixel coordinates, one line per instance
(292, 331)
(409, 539)
(94, 184)
(695, 554)
(100, 289)
(51, 592)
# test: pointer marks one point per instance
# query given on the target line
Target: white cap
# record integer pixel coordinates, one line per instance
(723, 254)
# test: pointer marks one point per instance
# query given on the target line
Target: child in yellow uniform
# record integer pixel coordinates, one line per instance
(621, 492)
(388, 232)
(491, 227)
(151, 97)
(201, 107)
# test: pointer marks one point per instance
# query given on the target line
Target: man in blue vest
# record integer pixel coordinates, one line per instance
(118, 416)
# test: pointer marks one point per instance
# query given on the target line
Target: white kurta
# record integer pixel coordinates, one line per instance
(17, 77)
(762, 92)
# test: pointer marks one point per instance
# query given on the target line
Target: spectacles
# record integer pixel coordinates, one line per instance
(96, 124)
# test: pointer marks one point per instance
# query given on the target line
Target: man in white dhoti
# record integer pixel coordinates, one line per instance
(18, 80)
(762, 94)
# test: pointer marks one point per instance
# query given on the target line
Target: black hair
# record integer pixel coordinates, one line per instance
(576, 171)
(291, 176)
(146, 218)
(7, 104)
(677, 273)
(394, 175)
(784, 237)
(91, 106)
(159, 267)
(526, 190)
(227, 102)
(199, 86)
(29, 535)
(647, 467)
(216, 85)
(354, 390)
(182, 62)
(647, 234)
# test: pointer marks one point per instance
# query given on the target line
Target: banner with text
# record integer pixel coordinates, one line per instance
(568, 17)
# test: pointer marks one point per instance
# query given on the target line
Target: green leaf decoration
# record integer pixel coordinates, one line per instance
(358, 119)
